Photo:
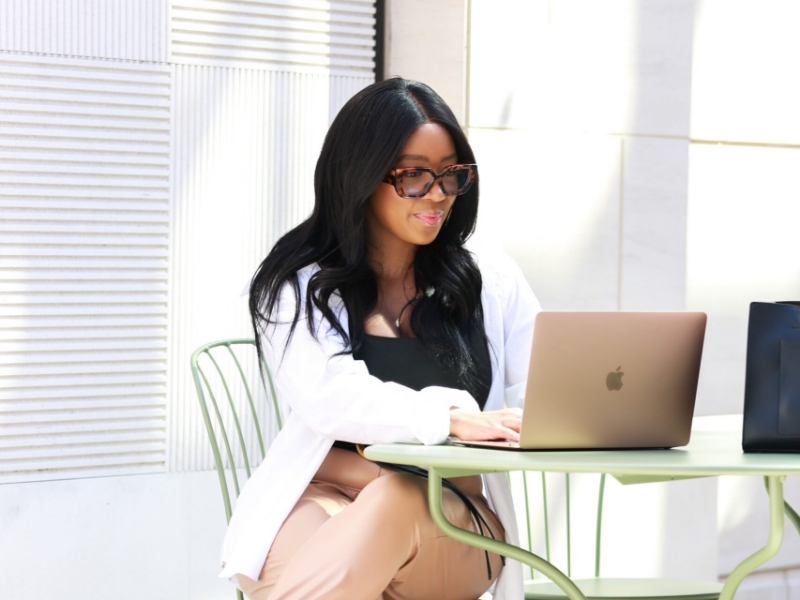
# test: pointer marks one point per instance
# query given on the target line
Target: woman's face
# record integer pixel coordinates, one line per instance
(392, 218)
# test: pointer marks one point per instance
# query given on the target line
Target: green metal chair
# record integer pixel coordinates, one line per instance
(227, 380)
(597, 588)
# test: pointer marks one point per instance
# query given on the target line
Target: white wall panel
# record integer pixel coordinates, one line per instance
(291, 35)
(246, 144)
(154, 537)
(428, 42)
(121, 29)
(344, 87)
(744, 83)
(84, 229)
(500, 94)
(655, 180)
(742, 246)
(554, 203)
(617, 66)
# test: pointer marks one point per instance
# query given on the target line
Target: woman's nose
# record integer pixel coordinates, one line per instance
(436, 192)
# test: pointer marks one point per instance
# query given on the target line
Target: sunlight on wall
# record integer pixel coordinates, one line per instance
(553, 202)
(744, 52)
(744, 206)
(736, 501)
(579, 117)
(743, 213)
(581, 66)
(742, 246)
(246, 144)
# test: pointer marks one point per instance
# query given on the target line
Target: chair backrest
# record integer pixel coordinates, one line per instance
(565, 504)
(227, 381)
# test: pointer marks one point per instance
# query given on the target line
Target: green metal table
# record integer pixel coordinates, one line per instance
(715, 449)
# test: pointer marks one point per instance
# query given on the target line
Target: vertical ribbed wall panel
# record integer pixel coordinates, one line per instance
(345, 87)
(245, 147)
(84, 229)
(120, 29)
(293, 35)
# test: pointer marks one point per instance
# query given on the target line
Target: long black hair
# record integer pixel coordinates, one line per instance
(360, 149)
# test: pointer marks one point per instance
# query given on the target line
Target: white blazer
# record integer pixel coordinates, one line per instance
(335, 398)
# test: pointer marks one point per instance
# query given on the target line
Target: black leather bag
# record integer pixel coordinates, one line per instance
(772, 380)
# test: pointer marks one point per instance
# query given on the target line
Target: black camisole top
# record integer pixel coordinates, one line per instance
(407, 362)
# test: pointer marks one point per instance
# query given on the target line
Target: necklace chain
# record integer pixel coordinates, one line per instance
(402, 310)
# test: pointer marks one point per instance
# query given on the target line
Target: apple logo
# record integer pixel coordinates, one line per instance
(614, 380)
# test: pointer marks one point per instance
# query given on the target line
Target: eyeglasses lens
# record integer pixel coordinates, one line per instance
(413, 183)
(456, 180)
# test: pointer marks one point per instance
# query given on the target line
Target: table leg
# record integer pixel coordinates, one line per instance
(750, 564)
(495, 546)
(791, 514)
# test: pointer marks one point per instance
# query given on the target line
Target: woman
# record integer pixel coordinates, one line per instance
(381, 327)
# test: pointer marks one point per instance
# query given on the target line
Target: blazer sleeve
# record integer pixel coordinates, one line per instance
(521, 308)
(336, 397)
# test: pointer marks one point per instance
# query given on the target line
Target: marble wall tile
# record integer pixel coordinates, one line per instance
(507, 62)
(744, 71)
(654, 185)
(553, 203)
(427, 41)
(742, 246)
(622, 66)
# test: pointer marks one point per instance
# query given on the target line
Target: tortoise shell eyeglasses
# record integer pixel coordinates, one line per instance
(416, 182)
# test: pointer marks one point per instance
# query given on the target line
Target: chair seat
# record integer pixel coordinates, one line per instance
(628, 589)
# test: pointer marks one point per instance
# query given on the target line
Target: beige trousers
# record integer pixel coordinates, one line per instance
(360, 532)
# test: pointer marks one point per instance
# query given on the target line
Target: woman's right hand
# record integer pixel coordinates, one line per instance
(483, 426)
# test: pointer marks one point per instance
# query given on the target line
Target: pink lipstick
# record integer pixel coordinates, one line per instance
(430, 218)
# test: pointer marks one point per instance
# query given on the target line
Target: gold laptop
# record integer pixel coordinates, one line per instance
(603, 380)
